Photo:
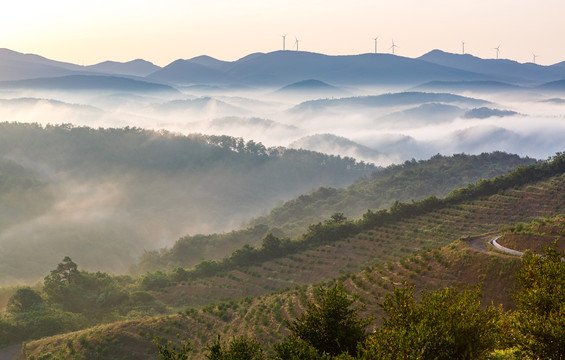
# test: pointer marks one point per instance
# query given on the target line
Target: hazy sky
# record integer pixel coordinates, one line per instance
(162, 31)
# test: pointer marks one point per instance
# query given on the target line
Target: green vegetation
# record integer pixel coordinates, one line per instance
(101, 195)
(260, 318)
(536, 235)
(331, 324)
(72, 299)
(339, 228)
(172, 351)
(444, 324)
(412, 180)
(540, 320)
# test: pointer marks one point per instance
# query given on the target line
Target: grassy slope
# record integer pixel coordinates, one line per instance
(366, 263)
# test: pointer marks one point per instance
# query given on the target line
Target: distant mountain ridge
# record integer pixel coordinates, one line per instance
(502, 69)
(280, 68)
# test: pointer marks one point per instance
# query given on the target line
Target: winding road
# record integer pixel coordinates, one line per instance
(479, 243)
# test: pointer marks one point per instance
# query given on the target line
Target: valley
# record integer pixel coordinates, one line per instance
(212, 198)
(431, 250)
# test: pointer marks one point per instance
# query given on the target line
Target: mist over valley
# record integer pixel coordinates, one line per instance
(130, 156)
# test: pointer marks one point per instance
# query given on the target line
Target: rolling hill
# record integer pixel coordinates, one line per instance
(138, 67)
(469, 86)
(368, 263)
(387, 100)
(88, 83)
(406, 182)
(311, 88)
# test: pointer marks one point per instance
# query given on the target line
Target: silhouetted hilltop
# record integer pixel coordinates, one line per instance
(496, 69)
(138, 67)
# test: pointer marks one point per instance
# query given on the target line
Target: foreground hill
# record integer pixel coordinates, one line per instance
(368, 262)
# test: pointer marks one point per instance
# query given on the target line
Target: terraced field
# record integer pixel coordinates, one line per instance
(388, 243)
(422, 250)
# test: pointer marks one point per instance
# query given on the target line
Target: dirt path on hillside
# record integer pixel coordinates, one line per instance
(10, 353)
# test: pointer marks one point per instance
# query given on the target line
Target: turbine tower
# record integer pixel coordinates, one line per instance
(535, 56)
(376, 43)
(497, 50)
(463, 45)
(393, 46)
(296, 43)
(284, 42)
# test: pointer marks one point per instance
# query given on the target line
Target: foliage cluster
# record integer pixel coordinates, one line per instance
(72, 299)
(447, 323)
(540, 321)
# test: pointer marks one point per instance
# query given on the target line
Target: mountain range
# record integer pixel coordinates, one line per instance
(280, 68)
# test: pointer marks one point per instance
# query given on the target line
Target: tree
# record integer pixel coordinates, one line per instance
(24, 300)
(65, 274)
(171, 351)
(332, 323)
(271, 244)
(445, 324)
(540, 319)
(294, 348)
(57, 284)
(238, 349)
(338, 218)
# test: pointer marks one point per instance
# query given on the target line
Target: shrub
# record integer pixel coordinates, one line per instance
(446, 324)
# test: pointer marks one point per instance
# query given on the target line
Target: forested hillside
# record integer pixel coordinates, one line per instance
(369, 256)
(413, 180)
(104, 195)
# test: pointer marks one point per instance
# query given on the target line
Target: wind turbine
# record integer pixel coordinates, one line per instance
(497, 50)
(284, 40)
(463, 45)
(376, 43)
(296, 43)
(393, 46)
(535, 56)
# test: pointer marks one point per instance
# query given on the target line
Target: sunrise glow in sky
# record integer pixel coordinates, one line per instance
(88, 32)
